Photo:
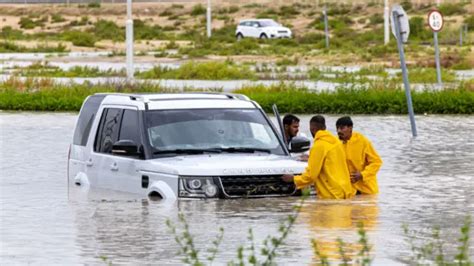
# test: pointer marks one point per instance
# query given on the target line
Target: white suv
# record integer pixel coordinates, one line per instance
(181, 146)
(261, 28)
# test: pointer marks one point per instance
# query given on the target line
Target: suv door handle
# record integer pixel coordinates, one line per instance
(89, 162)
(114, 166)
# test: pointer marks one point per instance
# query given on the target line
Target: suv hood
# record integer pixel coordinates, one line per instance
(225, 165)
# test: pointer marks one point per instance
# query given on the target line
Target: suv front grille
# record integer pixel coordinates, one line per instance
(255, 186)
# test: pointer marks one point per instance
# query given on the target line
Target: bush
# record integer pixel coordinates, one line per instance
(469, 21)
(9, 33)
(198, 10)
(28, 23)
(202, 71)
(376, 19)
(311, 38)
(80, 38)
(57, 18)
(108, 30)
(418, 29)
(449, 9)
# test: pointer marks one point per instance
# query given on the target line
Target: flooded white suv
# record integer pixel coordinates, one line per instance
(169, 146)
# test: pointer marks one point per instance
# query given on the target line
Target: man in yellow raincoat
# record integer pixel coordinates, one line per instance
(363, 160)
(326, 168)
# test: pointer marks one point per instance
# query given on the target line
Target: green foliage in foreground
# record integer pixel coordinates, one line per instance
(44, 95)
(429, 253)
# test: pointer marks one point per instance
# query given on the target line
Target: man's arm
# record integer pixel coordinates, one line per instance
(315, 164)
(373, 162)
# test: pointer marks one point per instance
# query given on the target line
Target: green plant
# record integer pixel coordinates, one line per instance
(80, 38)
(449, 9)
(57, 18)
(198, 10)
(108, 30)
(432, 250)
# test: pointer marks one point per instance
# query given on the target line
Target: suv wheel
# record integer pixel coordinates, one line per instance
(263, 36)
(239, 36)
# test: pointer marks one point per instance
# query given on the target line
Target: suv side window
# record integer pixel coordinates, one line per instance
(108, 131)
(129, 127)
(86, 118)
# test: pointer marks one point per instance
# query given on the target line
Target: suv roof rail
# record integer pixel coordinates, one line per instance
(146, 96)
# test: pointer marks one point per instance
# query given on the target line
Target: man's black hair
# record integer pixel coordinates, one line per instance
(318, 120)
(290, 119)
(344, 121)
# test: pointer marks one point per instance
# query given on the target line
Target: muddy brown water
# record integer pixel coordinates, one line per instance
(424, 182)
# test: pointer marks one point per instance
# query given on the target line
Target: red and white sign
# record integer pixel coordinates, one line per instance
(435, 20)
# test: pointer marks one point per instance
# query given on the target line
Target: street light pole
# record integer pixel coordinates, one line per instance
(386, 23)
(209, 19)
(129, 41)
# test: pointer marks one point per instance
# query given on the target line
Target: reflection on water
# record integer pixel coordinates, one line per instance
(424, 182)
(331, 220)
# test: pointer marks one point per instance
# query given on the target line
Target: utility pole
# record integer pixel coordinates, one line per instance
(209, 31)
(386, 14)
(326, 31)
(129, 41)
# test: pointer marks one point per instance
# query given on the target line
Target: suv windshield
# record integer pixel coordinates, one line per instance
(269, 23)
(210, 131)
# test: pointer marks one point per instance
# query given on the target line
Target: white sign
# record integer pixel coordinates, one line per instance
(403, 19)
(435, 20)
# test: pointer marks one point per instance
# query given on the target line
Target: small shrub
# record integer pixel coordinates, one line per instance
(57, 18)
(407, 5)
(469, 21)
(28, 23)
(80, 38)
(9, 33)
(198, 10)
(94, 5)
(449, 9)
(376, 19)
(108, 30)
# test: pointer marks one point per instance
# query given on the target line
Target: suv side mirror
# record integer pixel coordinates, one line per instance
(299, 144)
(125, 147)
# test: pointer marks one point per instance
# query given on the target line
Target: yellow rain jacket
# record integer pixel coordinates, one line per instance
(361, 156)
(327, 168)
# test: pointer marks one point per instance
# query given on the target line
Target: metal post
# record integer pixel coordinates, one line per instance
(386, 14)
(438, 68)
(129, 41)
(326, 26)
(209, 33)
(403, 66)
(460, 35)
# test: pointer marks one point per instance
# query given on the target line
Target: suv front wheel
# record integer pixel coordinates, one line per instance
(239, 36)
(263, 36)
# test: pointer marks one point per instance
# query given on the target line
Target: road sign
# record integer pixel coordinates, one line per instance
(403, 20)
(435, 20)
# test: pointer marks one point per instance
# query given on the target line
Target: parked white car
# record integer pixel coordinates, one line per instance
(261, 28)
(194, 145)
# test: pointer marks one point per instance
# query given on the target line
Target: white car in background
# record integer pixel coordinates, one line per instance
(261, 28)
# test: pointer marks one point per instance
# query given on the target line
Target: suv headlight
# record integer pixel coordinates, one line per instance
(197, 187)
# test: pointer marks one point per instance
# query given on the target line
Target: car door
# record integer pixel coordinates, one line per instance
(123, 169)
(254, 29)
(98, 163)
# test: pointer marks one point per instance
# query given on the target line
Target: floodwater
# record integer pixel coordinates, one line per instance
(424, 182)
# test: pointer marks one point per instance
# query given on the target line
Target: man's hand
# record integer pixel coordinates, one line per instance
(287, 178)
(355, 177)
(303, 157)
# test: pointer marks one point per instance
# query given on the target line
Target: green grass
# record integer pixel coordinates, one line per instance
(44, 70)
(382, 98)
(203, 71)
